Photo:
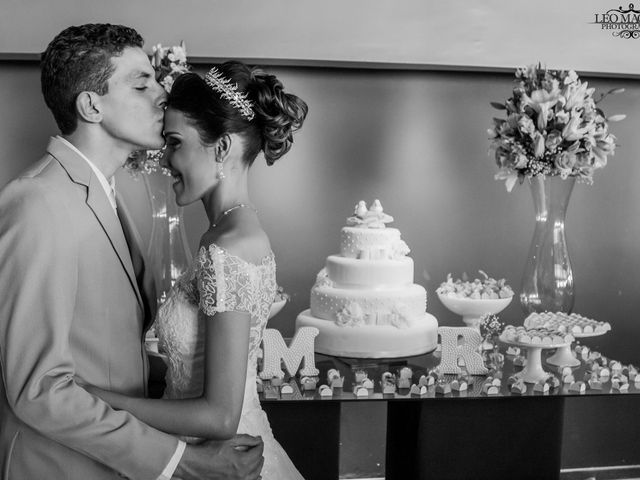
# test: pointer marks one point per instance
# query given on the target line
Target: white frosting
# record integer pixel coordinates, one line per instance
(371, 243)
(364, 302)
(421, 336)
(374, 274)
(375, 306)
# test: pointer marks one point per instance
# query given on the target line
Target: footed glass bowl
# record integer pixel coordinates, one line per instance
(276, 307)
(472, 309)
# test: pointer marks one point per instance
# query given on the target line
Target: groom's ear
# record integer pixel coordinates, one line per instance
(88, 107)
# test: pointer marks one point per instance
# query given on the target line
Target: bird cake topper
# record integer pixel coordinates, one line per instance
(372, 217)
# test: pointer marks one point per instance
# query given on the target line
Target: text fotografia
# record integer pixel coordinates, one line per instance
(623, 23)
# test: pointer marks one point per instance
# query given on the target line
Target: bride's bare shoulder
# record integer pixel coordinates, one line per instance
(250, 244)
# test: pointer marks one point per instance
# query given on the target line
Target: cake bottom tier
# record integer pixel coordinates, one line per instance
(373, 341)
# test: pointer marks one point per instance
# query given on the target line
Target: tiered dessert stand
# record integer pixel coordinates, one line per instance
(563, 357)
(533, 371)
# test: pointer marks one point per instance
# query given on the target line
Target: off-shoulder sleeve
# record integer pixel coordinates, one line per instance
(224, 284)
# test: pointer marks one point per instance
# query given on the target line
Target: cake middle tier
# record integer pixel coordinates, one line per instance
(372, 274)
(408, 301)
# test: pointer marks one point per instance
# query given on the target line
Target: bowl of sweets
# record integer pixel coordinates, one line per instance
(473, 299)
(279, 302)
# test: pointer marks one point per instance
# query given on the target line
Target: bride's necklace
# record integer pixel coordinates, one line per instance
(229, 210)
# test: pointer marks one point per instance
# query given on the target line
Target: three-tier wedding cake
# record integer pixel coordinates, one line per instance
(365, 302)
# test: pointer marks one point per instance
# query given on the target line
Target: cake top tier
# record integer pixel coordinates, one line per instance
(366, 235)
(372, 217)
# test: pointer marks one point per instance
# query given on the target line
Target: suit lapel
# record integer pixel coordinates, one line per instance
(144, 276)
(80, 172)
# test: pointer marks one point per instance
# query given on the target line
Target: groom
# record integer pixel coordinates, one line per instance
(73, 304)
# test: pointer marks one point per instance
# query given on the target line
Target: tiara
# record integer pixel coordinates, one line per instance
(229, 91)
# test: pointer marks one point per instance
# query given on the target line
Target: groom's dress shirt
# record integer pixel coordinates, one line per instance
(109, 190)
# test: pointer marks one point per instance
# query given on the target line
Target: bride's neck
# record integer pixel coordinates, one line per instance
(227, 194)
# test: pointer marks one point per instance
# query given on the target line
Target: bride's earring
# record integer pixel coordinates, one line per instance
(220, 175)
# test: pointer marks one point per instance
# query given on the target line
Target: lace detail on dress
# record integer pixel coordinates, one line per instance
(227, 283)
(218, 281)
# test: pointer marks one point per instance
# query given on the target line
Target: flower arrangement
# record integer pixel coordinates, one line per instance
(490, 325)
(490, 329)
(169, 63)
(553, 127)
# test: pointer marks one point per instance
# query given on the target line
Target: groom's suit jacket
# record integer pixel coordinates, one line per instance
(71, 312)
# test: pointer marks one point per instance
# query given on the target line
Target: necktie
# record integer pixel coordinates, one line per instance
(112, 194)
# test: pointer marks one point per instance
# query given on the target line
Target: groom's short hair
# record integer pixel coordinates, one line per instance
(78, 59)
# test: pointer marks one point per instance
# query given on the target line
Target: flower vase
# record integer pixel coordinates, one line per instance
(547, 284)
(491, 353)
(168, 251)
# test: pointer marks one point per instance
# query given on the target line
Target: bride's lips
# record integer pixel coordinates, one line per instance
(176, 176)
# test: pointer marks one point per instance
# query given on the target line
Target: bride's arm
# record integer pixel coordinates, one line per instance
(214, 415)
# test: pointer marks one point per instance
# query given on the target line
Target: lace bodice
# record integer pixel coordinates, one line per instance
(216, 281)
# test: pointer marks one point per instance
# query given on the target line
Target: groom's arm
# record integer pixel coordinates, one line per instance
(38, 280)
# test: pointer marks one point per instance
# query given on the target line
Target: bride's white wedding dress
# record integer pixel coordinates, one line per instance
(218, 281)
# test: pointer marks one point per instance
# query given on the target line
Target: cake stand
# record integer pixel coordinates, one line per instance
(564, 357)
(533, 371)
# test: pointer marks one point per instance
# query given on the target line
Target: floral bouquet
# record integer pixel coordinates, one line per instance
(169, 63)
(553, 127)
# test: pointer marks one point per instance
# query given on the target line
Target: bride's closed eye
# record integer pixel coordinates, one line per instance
(173, 143)
(171, 139)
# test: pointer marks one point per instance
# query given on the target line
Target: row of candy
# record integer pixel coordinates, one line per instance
(563, 322)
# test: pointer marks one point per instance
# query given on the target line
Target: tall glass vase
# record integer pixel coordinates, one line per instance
(547, 284)
(168, 250)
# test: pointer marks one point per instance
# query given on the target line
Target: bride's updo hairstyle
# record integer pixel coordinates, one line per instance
(265, 116)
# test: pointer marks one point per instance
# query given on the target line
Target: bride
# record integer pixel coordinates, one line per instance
(212, 322)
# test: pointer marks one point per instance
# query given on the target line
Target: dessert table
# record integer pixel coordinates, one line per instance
(461, 434)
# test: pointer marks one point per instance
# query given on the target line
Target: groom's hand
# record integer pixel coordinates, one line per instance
(239, 458)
